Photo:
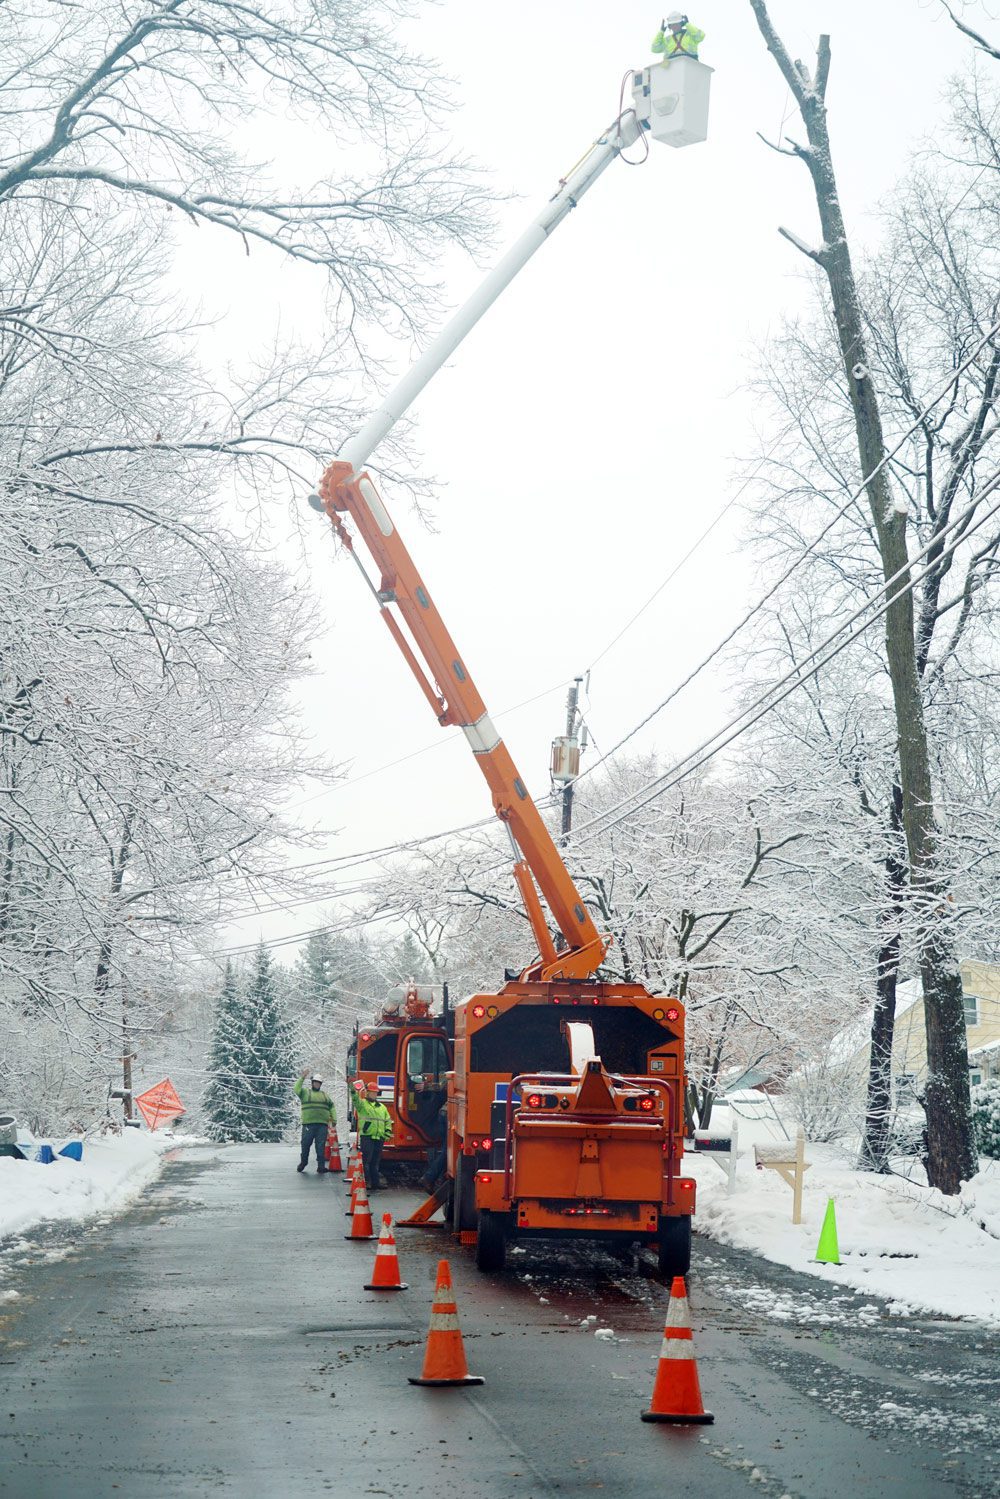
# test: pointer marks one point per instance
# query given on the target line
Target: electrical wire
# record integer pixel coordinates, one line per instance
(795, 677)
(801, 557)
(736, 727)
(343, 862)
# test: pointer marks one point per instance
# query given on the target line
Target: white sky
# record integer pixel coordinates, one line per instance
(594, 422)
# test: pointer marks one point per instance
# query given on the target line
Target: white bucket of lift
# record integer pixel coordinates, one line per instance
(671, 100)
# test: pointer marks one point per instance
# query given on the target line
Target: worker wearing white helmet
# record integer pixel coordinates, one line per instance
(677, 37)
(318, 1113)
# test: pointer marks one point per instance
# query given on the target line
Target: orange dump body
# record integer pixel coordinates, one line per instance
(557, 1144)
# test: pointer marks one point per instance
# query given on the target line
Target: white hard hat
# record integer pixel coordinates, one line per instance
(676, 18)
(316, 1077)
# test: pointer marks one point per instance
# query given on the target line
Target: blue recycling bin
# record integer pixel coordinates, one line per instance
(73, 1150)
(45, 1155)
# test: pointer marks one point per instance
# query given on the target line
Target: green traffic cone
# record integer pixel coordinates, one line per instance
(827, 1251)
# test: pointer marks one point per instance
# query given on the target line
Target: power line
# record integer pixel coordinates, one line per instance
(797, 563)
(693, 548)
(736, 727)
(342, 863)
(795, 678)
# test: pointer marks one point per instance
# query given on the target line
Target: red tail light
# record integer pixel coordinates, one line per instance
(478, 1011)
(534, 1100)
(673, 1013)
(646, 1105)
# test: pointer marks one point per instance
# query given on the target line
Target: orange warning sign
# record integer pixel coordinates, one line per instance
(159, 1104)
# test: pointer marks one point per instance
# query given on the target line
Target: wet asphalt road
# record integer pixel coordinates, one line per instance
(217, 1340)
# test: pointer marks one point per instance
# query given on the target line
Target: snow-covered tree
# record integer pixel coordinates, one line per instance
(314, 977)
(986, 1117)
(251, 1064)
(148, 642)
(904, 423)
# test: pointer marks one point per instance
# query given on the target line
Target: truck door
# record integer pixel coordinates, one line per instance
(421, 1080)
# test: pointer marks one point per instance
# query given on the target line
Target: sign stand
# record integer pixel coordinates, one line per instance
(788, 1159)
(722, 1150)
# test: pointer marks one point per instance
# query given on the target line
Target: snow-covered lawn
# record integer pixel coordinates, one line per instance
(921, 1251)
(113, 1172)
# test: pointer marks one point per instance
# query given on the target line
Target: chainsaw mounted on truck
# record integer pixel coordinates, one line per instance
(558, 1126)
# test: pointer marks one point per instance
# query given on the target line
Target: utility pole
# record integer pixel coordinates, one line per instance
(566, 752)
(565, 766)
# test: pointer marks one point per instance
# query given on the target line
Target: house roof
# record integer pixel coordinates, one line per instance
(854, 1037)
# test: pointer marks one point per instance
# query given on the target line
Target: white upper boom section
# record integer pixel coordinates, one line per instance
(622, 133)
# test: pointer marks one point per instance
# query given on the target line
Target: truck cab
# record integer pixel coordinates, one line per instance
(407, 1053)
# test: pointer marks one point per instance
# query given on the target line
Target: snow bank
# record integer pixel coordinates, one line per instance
(918, 1249)
(112, 1173)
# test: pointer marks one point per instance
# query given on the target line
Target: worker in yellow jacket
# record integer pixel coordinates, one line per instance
(374, 1130)
(677, 37)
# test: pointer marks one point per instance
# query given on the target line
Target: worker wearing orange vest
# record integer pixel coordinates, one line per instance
(683, 39)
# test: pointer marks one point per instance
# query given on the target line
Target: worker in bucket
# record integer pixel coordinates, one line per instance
(318, 1113)
(374, 1130)
(677, 37)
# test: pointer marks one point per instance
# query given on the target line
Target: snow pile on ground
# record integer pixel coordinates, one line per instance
(113, 1172)
(898, 1239)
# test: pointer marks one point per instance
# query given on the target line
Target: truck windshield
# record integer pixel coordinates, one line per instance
(379, 1054)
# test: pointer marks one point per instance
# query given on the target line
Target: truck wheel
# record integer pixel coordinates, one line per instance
(673, 1249)
(463, 1213)
(491, 1242)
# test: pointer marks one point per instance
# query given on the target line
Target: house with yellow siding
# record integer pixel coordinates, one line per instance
(981, 992)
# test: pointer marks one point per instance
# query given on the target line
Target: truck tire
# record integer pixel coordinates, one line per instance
(463, 1212)
(491, 1242)
(673, 1248)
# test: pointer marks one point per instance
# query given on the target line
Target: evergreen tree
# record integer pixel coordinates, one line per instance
(315, 983)
(410, 961)
(249, 1094)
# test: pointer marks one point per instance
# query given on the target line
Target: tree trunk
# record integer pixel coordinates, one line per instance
(951, 1155)
(878, 1114)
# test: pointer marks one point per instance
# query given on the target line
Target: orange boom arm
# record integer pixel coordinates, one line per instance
(404, 600)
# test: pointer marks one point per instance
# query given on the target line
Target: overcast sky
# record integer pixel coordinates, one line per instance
(598, 418)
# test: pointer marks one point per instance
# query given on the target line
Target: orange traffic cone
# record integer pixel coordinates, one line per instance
(361, 1218)
(677, 1393)
(357, 1180)
(444, 1356)
(385, 1276)
(333, 1161)
(352, 1166)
